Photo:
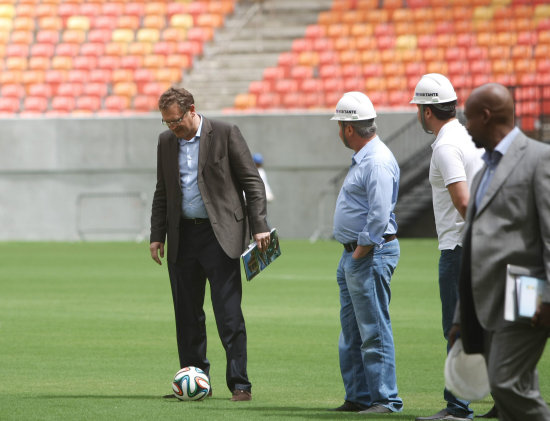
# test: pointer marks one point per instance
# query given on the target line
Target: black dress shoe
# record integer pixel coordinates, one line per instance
(349, 407)
(493, 413)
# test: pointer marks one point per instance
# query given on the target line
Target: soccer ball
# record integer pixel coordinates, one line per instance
(191, 384)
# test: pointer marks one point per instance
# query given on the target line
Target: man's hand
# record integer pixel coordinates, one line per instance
(262, 240)
(454, 334)
(361, 251)
(542, 316)
(154, 248)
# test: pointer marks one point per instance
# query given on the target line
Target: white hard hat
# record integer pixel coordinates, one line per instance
(466, 374)
(354, 106)
(433, 88)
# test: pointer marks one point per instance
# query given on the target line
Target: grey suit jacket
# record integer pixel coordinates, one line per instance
(511, 226)
(225, 171)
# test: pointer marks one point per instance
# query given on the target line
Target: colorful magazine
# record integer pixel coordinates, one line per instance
(255, 261)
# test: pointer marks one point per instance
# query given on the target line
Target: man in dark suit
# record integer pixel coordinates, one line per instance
(204, 172)
(507, 222)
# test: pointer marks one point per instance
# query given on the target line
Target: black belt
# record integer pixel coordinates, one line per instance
(195, 221)
(349, 247)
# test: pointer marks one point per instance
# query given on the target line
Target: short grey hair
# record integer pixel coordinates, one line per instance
(364, 128)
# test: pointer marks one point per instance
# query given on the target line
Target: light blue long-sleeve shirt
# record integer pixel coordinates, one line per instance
(192, 204)
(364, 208)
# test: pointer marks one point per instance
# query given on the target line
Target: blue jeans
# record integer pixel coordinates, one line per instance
(367, 354)
(449, 268)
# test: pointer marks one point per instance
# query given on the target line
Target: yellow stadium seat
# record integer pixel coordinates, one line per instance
(542, 11)
(148, 35)
(7, 10)
(408, 42)
(182, 20)
(244, 101)
(123, 35)
(78, 22)
(155, 8)
(483, 13)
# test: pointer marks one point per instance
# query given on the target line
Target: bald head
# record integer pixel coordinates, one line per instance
(489, 111)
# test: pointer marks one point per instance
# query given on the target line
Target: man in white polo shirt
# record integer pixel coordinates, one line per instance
(455, 160)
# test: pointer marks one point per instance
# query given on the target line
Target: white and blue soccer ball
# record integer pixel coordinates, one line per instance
(191, 384)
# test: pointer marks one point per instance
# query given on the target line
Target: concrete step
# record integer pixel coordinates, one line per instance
(208, 75)
(221, 61)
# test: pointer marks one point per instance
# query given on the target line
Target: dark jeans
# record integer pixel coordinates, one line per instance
(201, 257)
(449, 267)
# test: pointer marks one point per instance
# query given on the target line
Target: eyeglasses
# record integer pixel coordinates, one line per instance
(173, 122)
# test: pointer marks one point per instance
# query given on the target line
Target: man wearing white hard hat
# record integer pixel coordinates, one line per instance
(455, 160)
(364, 223)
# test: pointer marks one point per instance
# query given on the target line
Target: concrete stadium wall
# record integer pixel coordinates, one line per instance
(71, 179)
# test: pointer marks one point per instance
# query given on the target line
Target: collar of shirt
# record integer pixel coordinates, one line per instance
(364, 151)
(492, 158)
(451, 125)
(197, 135)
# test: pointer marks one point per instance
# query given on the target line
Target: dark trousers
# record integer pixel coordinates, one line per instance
(200, 257)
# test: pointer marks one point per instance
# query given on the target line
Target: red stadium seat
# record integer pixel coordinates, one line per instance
(9, 105)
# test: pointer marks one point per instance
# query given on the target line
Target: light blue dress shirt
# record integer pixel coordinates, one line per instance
(364, 208)
(491, 159)
(192, 204)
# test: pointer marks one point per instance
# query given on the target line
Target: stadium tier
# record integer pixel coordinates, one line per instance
(109, 57)
(98, 57)
(383, 47)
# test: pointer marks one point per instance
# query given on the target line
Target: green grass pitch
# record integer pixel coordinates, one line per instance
(87, 333)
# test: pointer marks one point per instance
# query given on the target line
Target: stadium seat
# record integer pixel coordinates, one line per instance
(94, 89)
(12, 90)
(39, 63)
(145, 103)
(21, 37)
(70, 89)
(88, 103)
(63, 104)
(9, 105)
(116, 103)
(37, 104)
(154, 61)
(118, 49)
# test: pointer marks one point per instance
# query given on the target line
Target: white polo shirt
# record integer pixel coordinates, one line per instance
(454, 158)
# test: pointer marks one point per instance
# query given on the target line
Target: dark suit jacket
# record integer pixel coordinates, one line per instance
(511, 226)
(225, 171)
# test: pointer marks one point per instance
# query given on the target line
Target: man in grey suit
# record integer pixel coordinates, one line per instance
(507, 222)
(204, 169)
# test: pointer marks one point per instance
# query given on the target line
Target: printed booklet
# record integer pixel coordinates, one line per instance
(524, 288)
(255, 261)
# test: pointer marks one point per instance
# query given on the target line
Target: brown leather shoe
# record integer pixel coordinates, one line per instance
(241, 395)
(348, 406)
